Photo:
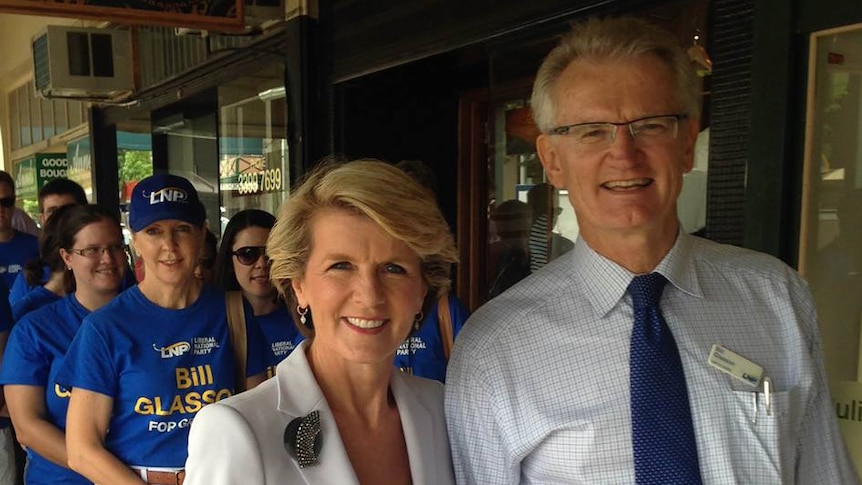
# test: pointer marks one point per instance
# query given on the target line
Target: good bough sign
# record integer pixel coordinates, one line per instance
(50, 166)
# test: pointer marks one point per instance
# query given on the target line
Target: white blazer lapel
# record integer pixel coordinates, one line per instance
(424, 439)
(299, 395)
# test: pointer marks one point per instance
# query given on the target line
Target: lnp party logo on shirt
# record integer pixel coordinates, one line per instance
(167, 194)
(173, 350)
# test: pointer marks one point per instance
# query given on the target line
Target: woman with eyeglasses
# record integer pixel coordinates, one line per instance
(91, 247)
(141, 368)
(242, 265)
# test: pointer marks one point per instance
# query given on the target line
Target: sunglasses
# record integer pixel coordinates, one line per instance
(7, 202)
(249, 255)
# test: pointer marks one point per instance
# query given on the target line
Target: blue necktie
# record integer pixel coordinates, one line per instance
(665, 450)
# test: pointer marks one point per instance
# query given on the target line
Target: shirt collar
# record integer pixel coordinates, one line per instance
(605, 282)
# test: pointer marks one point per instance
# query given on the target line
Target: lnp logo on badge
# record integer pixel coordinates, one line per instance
(173, 350)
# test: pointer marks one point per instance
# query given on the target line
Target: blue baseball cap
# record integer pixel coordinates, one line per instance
(164, 196)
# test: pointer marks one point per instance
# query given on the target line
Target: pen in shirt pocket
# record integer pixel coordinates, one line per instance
(747, 371)
(766, 394)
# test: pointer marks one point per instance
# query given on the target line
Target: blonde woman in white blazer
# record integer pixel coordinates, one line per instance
(359, 250)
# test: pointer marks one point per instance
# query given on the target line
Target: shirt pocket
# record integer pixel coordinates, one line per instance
(761, 445)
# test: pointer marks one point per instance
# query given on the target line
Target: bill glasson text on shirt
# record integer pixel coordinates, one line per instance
(189, 381)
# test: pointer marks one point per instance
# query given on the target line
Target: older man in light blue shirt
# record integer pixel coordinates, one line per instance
(538, 389)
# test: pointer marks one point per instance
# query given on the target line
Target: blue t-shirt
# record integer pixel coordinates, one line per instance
(281, 335)
(5, 310)
(35, 299)
(20, 289)
(160, 366)
(14, 254)
(35, 352)
(428, 359)
(5, 326)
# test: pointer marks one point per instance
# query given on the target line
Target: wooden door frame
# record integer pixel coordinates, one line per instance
(472, 194)
(474, 172)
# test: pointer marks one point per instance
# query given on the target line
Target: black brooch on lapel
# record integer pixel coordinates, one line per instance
(302, 439)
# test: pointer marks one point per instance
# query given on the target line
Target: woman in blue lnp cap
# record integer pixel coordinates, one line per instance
(143, 366)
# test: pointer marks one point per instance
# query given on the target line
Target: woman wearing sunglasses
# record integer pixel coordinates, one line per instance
(91, 247)
(143, 366)
(242, 265)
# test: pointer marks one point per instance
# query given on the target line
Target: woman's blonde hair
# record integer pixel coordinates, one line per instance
(376, 190)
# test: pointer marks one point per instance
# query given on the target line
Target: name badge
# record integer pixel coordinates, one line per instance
(735, 365)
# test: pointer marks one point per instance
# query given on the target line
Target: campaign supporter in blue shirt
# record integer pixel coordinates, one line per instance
(53, 195)
(90, 243)
(16, 248)
(5, 317)
(160, 366)
(46, 278)
(140, 368)
(423, 353)
(20, 288)
(25, 297)
(35, 351)
(242, 265)
(281, 335)
(14, 253)
(35, 299)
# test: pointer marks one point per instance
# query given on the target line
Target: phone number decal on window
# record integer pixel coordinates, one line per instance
(259, 182)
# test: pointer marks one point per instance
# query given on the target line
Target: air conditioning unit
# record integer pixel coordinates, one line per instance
(83, 63)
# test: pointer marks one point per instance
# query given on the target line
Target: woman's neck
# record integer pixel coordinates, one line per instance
(93, 300)
(174, 297)
(360, 390)
(55, 284)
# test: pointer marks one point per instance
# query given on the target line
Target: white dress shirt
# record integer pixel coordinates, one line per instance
(538, 384)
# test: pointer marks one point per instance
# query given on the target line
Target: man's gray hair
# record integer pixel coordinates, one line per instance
(613, 39)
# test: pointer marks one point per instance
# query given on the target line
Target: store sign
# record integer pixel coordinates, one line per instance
(80, 165)
(225, 15)
(50, 166)
(24, 173)
(33, 173)
(246, 175)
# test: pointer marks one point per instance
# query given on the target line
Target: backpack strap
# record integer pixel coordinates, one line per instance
(444, 320)
(236, 324)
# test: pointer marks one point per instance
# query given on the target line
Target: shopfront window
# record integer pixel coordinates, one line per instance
(253, 151)
(831, 241)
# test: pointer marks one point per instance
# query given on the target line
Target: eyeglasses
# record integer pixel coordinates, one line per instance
(249, 255)
(95, 252)
(644, 130)
(7, 202)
